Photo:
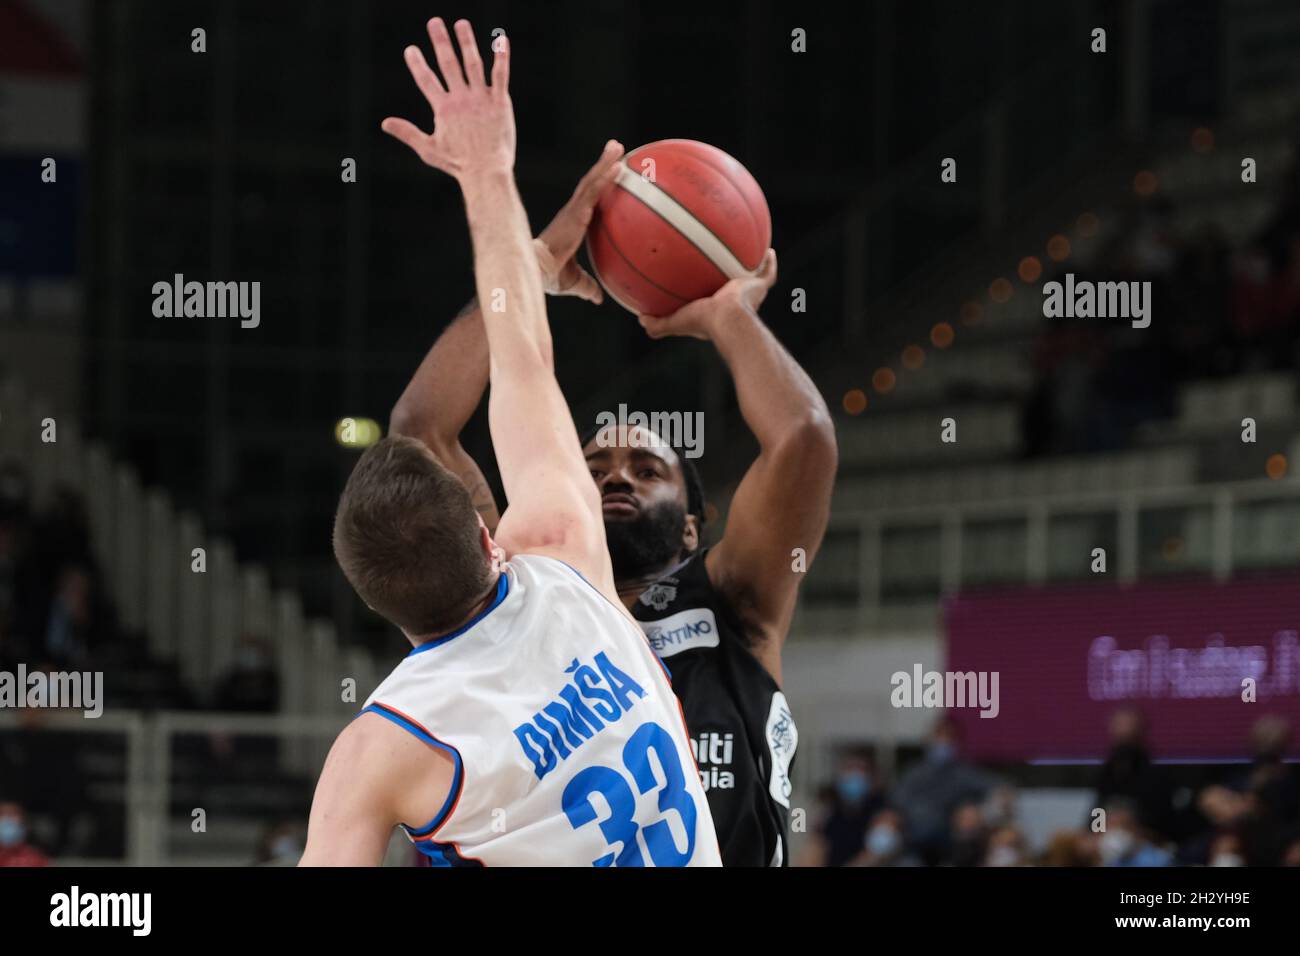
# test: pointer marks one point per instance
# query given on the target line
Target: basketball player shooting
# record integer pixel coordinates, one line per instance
(530, 723)
(719, 616)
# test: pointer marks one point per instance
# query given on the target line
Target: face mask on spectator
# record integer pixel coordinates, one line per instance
(286, 848)
(1115, 844)
(883, 841)
(941, 751)
(250, 659)
(12, 832)
(1004, 856)
(852, 786)
(996, 810)
(1227, 859)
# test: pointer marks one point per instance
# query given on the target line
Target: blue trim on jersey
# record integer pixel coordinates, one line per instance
(667, 672)
(582, 577)
(444, 855)
(456, 780)
(503, 588)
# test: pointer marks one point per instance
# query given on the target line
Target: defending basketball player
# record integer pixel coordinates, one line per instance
(530, 723)
(718, 616)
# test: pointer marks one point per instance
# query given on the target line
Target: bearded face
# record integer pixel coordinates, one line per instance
(643, 501)
(647, 541)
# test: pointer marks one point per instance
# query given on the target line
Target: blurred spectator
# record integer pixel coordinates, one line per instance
(1199, 331)
(886, 843)
(1227, 850)
(1124, 842)
(72, 628)
(61, 533)
(1135, 384)
(852, 801)
(1225, 810)
(1271, 779)
(1149, 242)
(1265, 306)
(1258, 806)
(252, 684)
(45, 771)
(15, 584)
(969, 836)
(281, 844)
(999, 809)
(14, 848)
(1129, 773)
(1291, 855)
(812, 850)
(1072, 848)
(1006, 847)
(14, 491)
(1267, 795)
(1058, 411)
(52, 604)
(1266, 285)
(929, 792)
(1226, 311)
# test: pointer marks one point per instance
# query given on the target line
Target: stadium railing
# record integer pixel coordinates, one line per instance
(156, 787)
(875, 560)
(145, 547)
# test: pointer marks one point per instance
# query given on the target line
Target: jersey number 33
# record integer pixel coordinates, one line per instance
(621, 828)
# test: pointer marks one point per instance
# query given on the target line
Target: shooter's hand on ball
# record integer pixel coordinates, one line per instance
(557, 246)
(697, 319)
(474, 124)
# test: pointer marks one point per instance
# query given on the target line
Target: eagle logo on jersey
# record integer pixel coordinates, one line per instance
(659, 595)
(782, 741)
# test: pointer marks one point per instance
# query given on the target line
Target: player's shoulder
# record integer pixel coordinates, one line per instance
(393, 760)
(740, 621)
(356, 770)
(379, 742)
(369, 740)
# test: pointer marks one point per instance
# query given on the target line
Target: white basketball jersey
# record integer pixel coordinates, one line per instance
(569, 744)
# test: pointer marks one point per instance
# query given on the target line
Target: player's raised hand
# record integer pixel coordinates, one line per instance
(474, 123)
(557, 246)
(696, 318)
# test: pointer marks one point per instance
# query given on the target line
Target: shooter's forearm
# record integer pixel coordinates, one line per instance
(777, 398)
(448, 386)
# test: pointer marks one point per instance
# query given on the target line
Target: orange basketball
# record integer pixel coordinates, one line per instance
(682, 218)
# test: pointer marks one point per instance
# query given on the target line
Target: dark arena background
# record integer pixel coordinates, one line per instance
(1094, 517)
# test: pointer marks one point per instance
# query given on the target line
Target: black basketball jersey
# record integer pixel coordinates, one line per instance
(741, 730)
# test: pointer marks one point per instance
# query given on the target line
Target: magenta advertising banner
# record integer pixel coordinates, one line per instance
(1184, 653)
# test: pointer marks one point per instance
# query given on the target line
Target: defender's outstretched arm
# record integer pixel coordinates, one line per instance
(375, 777)
(554, 507)
(446, 389)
